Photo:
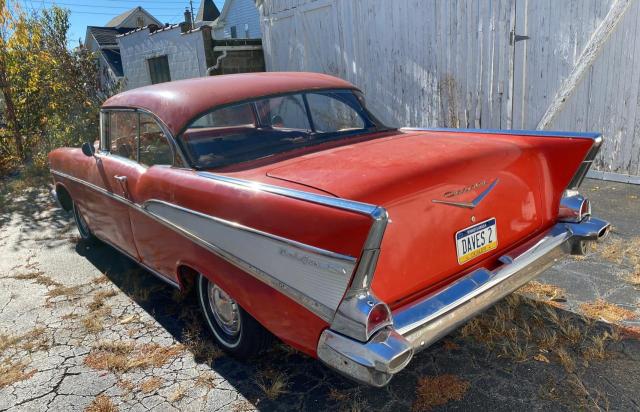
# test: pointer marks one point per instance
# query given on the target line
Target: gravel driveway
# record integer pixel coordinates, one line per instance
(83, 328)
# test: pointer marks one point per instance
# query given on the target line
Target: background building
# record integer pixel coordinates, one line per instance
(102, 41)
(560, 65)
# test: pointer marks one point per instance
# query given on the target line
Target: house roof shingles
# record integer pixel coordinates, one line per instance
(106, 36)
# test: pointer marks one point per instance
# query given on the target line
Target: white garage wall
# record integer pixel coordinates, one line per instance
(432, 63)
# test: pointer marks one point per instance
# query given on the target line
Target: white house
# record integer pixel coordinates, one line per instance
(155, 54)
(102, 41)
(239, 19)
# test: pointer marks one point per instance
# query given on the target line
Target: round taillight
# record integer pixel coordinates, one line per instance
(378, 317)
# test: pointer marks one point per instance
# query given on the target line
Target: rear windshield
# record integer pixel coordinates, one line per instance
(273, 125)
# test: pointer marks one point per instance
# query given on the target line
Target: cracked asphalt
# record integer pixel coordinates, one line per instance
(84, 328)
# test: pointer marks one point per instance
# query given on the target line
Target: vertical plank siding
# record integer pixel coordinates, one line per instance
(439, 63)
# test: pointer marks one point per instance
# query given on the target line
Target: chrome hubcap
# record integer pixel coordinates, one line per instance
(225, 310)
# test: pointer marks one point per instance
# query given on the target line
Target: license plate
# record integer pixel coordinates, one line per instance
(476, 240)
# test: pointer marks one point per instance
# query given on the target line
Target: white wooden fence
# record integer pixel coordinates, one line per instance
(465, 63)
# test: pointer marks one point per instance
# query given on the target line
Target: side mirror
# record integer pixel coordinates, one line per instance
(88, 149)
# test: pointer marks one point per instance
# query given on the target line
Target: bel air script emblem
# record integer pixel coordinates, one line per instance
(309, 261)
(466, 189)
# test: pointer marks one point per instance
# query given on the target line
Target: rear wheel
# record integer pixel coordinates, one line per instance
(81, 223)
(237, 332)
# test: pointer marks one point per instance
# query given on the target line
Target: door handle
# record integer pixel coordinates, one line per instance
(122, 180)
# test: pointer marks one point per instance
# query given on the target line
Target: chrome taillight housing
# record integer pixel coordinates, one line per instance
(573, 207)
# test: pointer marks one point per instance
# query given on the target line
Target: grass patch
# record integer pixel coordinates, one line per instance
(123, 356)
(151, 385)
(435, 391)
(12, 372)
(272, 383)
(543, 291)
(30, 341)
(101, 403)
(601, 309)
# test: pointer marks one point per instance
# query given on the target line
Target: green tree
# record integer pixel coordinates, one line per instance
(51, 93)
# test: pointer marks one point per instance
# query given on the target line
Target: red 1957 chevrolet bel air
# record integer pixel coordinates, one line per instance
(292, 209)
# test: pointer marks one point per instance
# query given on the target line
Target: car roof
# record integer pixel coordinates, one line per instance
(177, 103)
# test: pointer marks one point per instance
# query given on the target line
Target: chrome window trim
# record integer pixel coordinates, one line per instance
(175, 149)
(315, 307)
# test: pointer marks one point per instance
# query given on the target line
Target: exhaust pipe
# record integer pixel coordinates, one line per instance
(589, 230)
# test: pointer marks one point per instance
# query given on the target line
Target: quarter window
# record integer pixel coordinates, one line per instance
(330, 112)
(153, 146)
(123, 133)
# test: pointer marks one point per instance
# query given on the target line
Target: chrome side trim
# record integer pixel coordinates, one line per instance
(313, 276)
(543, 133)
(351, 317)
(314, 306)
(339, 203)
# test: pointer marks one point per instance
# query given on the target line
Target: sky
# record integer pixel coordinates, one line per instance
(98, 12)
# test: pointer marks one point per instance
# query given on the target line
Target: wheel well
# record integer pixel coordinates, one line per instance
(64, 197)
(187, 277)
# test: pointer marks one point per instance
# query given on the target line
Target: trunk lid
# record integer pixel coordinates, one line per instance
(521, 177)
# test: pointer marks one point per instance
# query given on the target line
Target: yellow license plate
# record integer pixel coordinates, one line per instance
(476, 240)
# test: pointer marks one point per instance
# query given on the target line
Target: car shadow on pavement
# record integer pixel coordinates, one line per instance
(520, 352)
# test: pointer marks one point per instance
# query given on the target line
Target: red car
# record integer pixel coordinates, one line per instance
(294, 210)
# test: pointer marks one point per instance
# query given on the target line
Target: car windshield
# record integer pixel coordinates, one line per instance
(273, 125)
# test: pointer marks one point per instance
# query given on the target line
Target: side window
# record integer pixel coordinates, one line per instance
(330, 114)
(154, 146)
(232, 116)
(104, 131)
(123, 133)
(284, 112)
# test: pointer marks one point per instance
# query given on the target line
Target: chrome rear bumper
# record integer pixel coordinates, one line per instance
(421, 323)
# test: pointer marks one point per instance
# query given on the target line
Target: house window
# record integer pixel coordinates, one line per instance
(234, 32)
(159, 69)
(140, 22)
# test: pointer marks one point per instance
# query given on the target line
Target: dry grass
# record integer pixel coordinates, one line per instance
(601, 309)
(435, 391)
(522, 329)
(543, 291)
(101, 403)
(39, 277)
(450, 345)
(93, 322)
(68, 292)
(30, 341)
(206, 380)
(12, 372)
(203, 349)
(243, 406)
(634, 278)
(151, 385)
(178, 394)
(126, 385)
(272, 383)
(99, 299)
(123, 357)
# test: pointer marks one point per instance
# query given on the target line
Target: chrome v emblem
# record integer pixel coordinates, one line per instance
(474, 202)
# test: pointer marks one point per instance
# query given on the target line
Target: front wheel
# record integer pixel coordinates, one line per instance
(81, 223)
(237, 332)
